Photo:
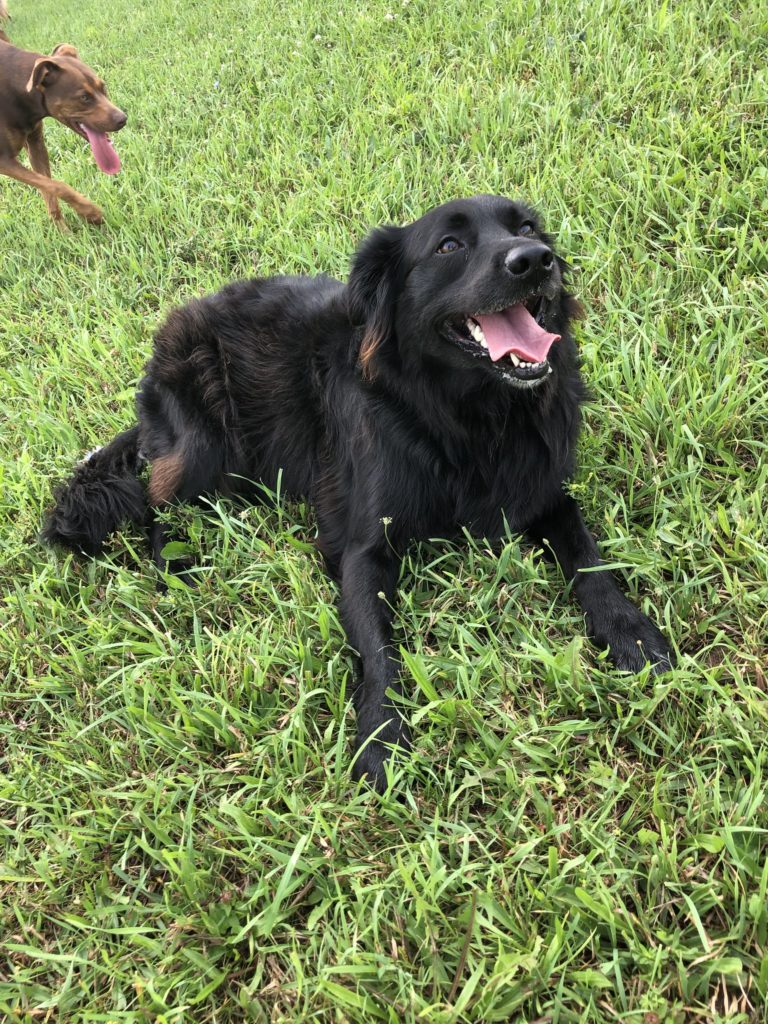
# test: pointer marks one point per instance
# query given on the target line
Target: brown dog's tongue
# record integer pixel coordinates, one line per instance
(514, 330)
(104, 153)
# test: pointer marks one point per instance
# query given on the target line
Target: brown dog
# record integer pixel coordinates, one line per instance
(33, 86)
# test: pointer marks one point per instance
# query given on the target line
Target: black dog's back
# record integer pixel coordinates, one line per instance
(246, 372)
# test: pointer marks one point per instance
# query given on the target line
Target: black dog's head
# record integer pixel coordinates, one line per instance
(474, 284)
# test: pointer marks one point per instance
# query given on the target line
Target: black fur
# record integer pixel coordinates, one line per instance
(103, 493)
(370, 405)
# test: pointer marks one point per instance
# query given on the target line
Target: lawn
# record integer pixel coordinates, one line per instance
(180, 837)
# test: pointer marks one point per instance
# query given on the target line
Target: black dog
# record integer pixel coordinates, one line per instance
(438, 389)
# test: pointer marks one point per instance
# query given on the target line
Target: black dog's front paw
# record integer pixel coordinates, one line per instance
(633, 641)
(371, 755)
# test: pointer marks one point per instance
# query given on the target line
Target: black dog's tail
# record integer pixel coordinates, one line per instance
(104, 492)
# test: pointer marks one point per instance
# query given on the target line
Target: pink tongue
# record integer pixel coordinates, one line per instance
(514, 330)
(104, 153)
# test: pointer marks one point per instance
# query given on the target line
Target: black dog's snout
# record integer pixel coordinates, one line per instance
(527, 258)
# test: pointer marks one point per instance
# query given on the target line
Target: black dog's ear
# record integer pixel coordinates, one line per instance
(574, 308)
(372, 289)
(570, 306)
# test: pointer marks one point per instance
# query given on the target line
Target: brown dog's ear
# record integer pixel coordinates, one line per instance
(65, 50)
(42, 73)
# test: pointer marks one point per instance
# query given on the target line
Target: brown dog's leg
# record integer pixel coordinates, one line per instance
(53, 188)
(38, 157)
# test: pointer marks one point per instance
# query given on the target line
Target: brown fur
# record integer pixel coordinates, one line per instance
(372, 339)
(167, 472)
(34, 86)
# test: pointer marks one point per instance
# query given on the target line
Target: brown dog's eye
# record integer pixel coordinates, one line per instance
(526, 228)
(86, 97)
(449, 245)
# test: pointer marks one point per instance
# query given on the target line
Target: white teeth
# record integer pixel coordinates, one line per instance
(477, 332)
(525, 365)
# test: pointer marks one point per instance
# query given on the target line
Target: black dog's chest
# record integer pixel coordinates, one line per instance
(506, 487)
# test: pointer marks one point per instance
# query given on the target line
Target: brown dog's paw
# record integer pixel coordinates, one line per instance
(92, 214)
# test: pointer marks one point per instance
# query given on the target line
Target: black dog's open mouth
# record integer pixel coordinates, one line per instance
(513, 337)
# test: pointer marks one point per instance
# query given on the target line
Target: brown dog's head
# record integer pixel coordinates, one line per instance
(75, 95)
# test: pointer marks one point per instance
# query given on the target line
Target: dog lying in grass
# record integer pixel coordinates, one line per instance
(33, 87)
(438, 389)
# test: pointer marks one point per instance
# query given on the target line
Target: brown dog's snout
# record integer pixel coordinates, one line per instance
(529, 258)
(119, 120)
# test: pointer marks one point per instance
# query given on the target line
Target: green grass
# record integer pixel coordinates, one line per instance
(181, 840)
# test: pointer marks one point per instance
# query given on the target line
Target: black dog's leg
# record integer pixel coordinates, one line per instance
(367, 618)
(159, 536)
(612, 620)
(185, 473)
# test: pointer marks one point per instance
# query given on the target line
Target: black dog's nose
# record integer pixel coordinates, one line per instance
(120, 121)
(528, 257)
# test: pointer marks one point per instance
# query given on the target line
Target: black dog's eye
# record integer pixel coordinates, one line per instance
(526, 228)
(449, 245)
